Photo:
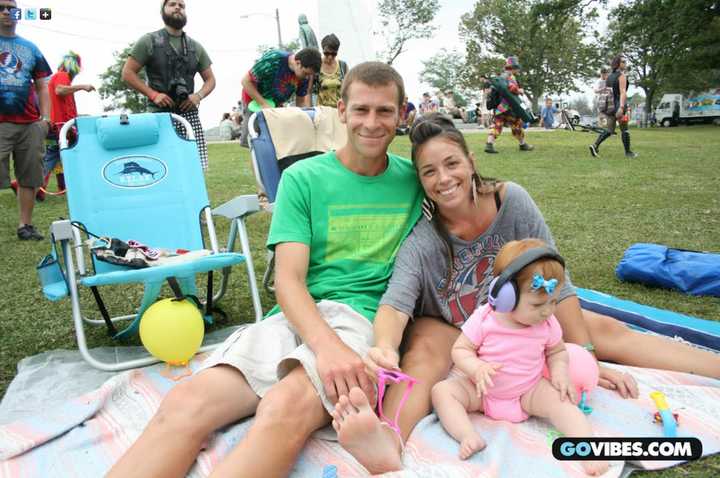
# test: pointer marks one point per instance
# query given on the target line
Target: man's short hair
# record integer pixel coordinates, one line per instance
(331, 42)
(309, 58)
(604, 70)
(373, 73)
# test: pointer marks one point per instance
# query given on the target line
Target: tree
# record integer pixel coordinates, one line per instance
(293, 46)
(405, 20)
(670, 45)
(122, 97)
(444, 71)
(552, 44)
(581, 105)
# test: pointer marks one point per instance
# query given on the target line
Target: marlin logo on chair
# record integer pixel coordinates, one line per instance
(134, 171)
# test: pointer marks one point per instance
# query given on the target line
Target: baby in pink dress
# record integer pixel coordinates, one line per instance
(499, 356)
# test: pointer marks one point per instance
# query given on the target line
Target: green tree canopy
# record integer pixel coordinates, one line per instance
(121, 96)
(405, 20)
(444, 71)
(553, 45)
(671, 45)
(292, 46)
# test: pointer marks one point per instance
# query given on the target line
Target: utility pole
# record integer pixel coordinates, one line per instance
(277, 20)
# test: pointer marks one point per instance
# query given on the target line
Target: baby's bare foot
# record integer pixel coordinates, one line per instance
(470, 445)
(595, 468)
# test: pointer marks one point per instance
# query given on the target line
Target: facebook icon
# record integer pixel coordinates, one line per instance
(16, 13)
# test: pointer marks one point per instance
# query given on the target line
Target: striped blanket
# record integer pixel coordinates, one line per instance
(82, 437)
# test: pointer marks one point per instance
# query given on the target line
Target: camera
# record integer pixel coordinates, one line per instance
(178, 89)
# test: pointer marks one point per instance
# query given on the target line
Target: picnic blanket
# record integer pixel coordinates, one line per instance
(43, 436)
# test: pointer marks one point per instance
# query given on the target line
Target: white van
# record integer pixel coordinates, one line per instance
(675, 108)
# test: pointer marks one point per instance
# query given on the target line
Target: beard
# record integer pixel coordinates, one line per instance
(174, 22)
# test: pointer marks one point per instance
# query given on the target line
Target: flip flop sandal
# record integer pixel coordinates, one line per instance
(148, 252)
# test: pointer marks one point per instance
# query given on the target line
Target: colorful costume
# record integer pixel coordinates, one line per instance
(503, 113)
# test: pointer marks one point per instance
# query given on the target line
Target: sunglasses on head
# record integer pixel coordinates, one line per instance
(330, 53)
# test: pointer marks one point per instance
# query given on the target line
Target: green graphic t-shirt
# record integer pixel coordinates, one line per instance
(353, 224)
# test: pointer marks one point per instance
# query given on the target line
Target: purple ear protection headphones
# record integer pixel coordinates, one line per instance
(503, 291)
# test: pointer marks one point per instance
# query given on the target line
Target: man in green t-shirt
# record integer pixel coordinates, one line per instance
(338, 223)
(171, 59)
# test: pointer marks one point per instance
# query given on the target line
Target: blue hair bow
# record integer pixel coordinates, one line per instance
(539, 281)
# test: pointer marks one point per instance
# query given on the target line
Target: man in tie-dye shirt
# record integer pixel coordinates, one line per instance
(276, 76)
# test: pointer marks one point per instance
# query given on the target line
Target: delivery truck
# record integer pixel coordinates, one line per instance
(677, 108)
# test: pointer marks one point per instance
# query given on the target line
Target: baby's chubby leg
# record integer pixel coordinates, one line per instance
(543, 401)
(453, 399)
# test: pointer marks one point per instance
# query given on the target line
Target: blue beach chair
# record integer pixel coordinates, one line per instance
(133, 177)
(300, 133)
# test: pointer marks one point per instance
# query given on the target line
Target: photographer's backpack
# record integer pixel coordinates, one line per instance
(606, 101)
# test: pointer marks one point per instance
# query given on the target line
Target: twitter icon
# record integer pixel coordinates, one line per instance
(30, 14)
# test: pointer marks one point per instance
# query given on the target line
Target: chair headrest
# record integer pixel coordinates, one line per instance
(128, 131)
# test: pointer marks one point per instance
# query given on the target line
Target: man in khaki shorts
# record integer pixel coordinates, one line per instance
(24, 115)
(339, 220)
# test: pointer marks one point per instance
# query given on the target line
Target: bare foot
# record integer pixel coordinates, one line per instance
(360, 432)
(470, 445)
(595, 468)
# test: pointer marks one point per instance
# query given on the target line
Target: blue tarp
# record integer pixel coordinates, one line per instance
(691, 272)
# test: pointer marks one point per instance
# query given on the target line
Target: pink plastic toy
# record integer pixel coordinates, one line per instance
(584, 373)
(393, 376)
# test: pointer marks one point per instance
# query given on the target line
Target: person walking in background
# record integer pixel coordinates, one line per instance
(171, 59)
(332, 72)
(62, 109)
(276, 76)
(24, 115)
(617, 80)
(547, 114)
(503, 114)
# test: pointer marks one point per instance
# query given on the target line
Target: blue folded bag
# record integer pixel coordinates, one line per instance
(692, 272)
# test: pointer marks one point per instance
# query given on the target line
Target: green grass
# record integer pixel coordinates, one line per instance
(596, 208)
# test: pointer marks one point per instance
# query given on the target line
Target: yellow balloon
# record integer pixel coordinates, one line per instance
(172, 330)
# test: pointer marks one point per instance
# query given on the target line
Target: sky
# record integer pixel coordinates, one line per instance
(230, 31)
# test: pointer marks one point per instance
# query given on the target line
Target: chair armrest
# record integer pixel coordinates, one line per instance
(239, 206)
(61, 230)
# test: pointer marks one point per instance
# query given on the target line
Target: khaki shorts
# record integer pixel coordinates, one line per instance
(267, 351)
(25, 143)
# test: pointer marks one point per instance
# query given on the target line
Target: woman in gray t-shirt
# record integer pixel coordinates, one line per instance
(467, 220)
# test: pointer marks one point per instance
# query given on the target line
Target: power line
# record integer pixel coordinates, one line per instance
(77, 35)
(126, 42)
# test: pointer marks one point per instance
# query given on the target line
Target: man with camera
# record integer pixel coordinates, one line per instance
(171, 60)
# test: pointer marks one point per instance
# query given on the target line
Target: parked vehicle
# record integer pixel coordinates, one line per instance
(676, 108)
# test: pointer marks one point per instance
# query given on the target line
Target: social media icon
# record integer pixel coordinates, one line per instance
(16, 13)
(30, 14)
(45, 14)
